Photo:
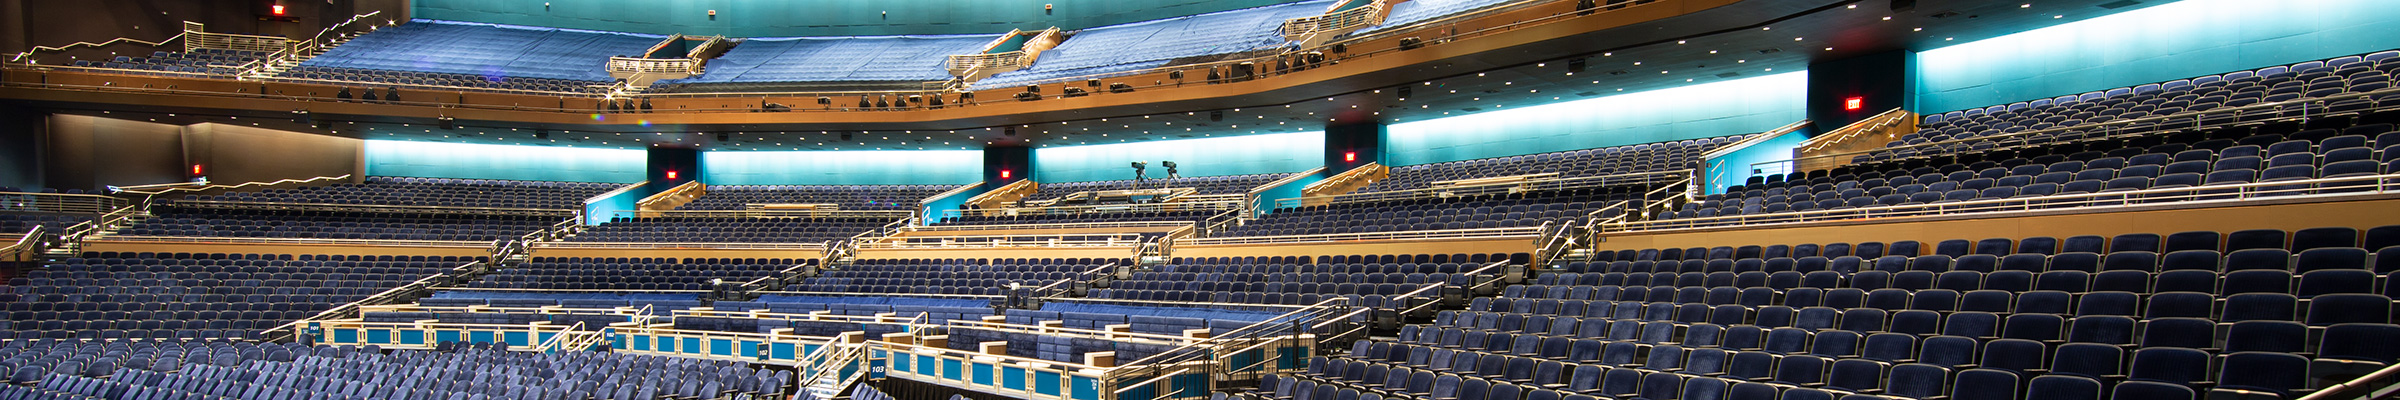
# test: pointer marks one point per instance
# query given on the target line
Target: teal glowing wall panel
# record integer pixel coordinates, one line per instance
(756, 18)
(1734, 168)
(600, 211)
(1237, 155)
(933, 211)
(888, 167)
(490, 161)
(1705, 110)
(2159, 43)
(1265, 203)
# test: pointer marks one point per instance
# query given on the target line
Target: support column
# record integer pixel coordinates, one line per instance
(1880, 82)
(1352, 144)
(1003, 165)
(672, 166)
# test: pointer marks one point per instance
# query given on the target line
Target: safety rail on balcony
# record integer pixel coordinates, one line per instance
(1493, 186)
(1667, 198)
(764, 213)
(1054, 240)
(679, 245)
(60, 203)
(373, 208)
(268, 240)
(29, 244)
(202, 186)
(2206, 195)
(961, 64)
(1337, 21)
(1160, 226)
(2101, 131)
(637, 65)
(1106, 208)
(1523, 232)
(196, 37)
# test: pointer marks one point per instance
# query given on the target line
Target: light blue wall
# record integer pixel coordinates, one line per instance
(1705, 110)
(758, 18)
(490, 161)
(2160, 43)
(889, 167)
(1734, 168)
(1236, 155)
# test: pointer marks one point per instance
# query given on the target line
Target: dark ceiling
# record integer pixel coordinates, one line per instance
(1786, 36)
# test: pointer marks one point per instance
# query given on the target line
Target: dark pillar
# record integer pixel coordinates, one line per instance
(1003, 165)
(1352, 144)
(671, 166)
(21, 148)
(1880, 81)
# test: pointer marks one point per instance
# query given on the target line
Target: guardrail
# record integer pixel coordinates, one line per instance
(2326, 188)
(1065, 225)
(1053, 240)
(764, 213)
(33, 240)
(1520, 186)
(2117, 129)
(1526, 232)
(960, 64)
(179, 186)
(1106, 208)
(60, 203)
(263, 240)
(678, 245)
(1061, 287)
(374, 208)
(1342, 21)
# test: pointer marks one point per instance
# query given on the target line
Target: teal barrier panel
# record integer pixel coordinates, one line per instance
(412, 337)
(781, 351)
(1085, 388)
(516, 339)
(983, 374)
(479, 336)
(720, 347)
(1012, 378)
(445, 336)
(690, 345)
(1045, 383)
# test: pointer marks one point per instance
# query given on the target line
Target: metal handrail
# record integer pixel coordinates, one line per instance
(361, 304)
(2361, 388)
(999, 241)
(20, 56)
(60, 203)
(242, 185)
(1053, 287)
(379, 208)
(1106, 208)
(546, 345)
(1338, 21)
(2302, 189)
(1476, 233)
(1490, 188)
(1845, 133)
(2001, 140)
(765, 213)
(1061, 225)
(266, 240)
